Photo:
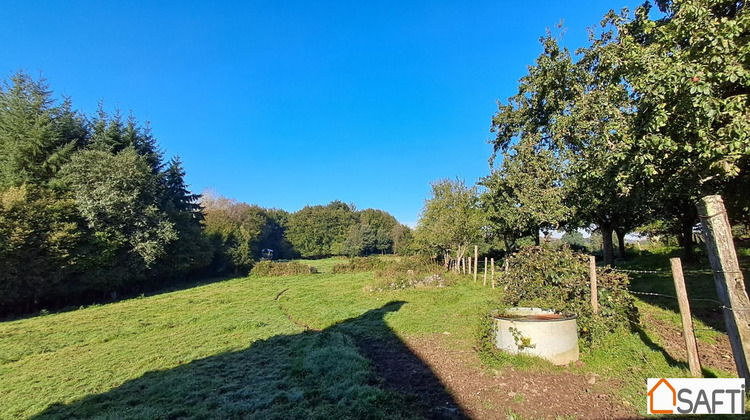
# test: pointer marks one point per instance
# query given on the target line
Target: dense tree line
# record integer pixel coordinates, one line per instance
(90, 207)
(625, 135)
(239, 232)
(651, 116)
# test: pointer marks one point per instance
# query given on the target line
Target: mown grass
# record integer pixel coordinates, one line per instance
(229, 350)
(166, 343)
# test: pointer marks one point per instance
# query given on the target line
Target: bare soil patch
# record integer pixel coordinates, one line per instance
(402, 371)
(475, 393)
(716, 356)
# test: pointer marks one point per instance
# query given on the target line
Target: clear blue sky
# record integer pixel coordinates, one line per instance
(284, 104)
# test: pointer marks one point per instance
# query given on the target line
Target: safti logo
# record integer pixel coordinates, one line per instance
(696, 396)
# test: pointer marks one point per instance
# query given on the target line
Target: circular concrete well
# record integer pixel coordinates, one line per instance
(537, 332)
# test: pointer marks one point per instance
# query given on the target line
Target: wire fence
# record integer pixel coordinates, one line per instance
(721, 305)
(691, 272)
(663, 295)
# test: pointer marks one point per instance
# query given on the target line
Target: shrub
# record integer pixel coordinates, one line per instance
(559, 280)
(412, 272)
(274, 268)
(359, 264)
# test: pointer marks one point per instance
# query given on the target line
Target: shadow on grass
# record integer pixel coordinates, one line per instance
(671, 361)
(356, 369)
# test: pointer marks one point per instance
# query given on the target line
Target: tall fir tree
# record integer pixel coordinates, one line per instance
(36, 136)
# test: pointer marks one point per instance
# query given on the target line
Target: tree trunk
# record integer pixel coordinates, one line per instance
(609, 249)
(537, 241)
(687, 218)
(621, 242)
(459, 254)
(510, 244)
(687, 222)
(687, 240)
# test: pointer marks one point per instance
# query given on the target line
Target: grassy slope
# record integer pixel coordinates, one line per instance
(62, 358)
(227, 350)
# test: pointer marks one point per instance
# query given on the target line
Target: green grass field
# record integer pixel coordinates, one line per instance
(237, 348)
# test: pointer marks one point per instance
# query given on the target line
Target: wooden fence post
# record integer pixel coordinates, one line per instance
(594, 286)
(730, 284)
(492, 263)
(476, 261)
(506, 264)
(687, 321)
(468, 263)
(484, 283)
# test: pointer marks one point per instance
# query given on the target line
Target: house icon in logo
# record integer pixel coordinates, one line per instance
(652, 391)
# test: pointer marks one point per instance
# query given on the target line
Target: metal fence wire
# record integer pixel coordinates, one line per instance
(637, 292)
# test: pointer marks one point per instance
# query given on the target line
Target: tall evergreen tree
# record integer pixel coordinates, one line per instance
(191, 249)
(176, 190)
(36, 136)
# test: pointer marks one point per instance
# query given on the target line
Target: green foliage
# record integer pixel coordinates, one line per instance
(191, 251)
(89, 209)
(414, 271)
(450, 221)
(361, 240)
(595, 241)
(403, 239)
(117, 197)
(36, 136)
(691, 73)
(239, 232)
(110, 134)
(559, 280)
(685, 73)
(318, 231)
(359, 265)
(653, 116)
(38, 247)
(277, 269)
(540, 113)
(575, 240)
(569, 125)
(382, 225)
(525, 195)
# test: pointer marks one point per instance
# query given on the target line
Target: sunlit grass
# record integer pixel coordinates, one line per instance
(231, 349)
